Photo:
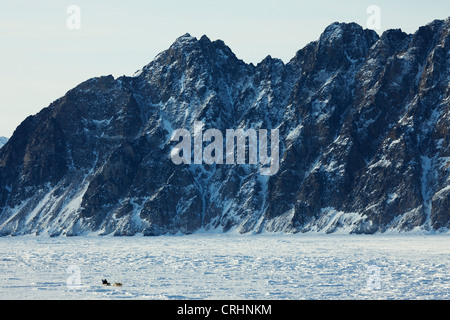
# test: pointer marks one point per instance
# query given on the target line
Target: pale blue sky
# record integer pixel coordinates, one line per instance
(41, 59)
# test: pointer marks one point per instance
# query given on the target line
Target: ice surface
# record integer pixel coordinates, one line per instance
(227, 266)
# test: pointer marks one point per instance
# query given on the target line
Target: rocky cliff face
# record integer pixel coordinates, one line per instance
(364, 142)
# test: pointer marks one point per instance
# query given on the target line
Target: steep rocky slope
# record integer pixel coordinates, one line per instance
(363, 123)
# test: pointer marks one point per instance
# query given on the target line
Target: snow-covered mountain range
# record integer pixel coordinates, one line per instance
(364, 142)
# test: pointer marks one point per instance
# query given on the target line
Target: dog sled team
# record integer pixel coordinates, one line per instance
(106, 283)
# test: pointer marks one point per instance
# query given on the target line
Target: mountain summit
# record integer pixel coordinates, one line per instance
(363, 124)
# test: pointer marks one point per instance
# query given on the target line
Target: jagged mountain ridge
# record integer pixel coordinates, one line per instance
(364, 143)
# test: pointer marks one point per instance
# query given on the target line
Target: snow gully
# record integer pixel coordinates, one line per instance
(213, 153)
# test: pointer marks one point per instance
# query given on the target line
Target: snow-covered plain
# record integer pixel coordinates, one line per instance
(227, 266)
